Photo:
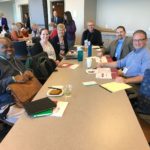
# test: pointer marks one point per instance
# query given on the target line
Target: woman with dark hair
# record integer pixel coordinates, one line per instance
(27, 22)
(44, 45)
(70, 28)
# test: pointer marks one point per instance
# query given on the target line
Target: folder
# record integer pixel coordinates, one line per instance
(115, 86)
(39, 107)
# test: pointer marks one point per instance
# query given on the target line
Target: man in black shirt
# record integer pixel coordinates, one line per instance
(92, 35)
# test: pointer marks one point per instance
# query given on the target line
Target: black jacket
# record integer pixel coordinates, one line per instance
(95, 37)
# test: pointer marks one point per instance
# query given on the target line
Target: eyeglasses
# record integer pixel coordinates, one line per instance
(139, 40)
(7, 46)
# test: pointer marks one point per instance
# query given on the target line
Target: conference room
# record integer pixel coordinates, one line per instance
(88, 116)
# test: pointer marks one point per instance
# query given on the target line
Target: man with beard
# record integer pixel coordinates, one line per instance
(11, 70)
(121, 46)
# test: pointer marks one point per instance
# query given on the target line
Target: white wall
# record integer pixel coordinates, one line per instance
(17, 9)
(7, 9)
(90, 10)
(133, 14)
(36, 12)
(76, 7)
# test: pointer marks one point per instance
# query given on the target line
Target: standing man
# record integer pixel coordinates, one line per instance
(121, 46)
(92, 35)
(55, 20)
(135, 63)
(3, 23)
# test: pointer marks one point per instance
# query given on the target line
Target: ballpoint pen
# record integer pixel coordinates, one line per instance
(50, 87)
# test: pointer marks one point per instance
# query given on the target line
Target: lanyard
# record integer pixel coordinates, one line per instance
(15, 65)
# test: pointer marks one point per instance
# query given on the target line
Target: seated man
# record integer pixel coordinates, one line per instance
(121, 46)
(135, 63)
(92, 35)
(10, 71)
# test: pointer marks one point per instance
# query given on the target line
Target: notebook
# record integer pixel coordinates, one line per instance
(39, 105)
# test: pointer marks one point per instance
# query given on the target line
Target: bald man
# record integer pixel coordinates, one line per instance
(11, 70)
(91, 34)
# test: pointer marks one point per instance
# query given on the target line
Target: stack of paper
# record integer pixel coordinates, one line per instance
(89, 83)
(59, 110)
(103, 73)
(115, 86)
(103, 59)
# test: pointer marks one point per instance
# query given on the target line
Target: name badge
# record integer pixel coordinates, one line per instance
(125, 70)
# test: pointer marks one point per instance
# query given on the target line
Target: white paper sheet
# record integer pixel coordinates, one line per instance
(103, 73)
(59, 110)
(74, 66)
(89, 83)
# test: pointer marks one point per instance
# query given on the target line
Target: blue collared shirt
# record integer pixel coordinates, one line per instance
(136, 62)
(118, 49)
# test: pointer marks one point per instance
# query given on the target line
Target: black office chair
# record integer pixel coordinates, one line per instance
(21, 51)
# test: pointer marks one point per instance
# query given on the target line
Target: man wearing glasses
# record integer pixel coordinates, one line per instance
(135, 63)
(11, 70)
(92, 35)
(121, 46)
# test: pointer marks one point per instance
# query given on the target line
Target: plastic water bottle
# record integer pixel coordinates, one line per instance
(80, 54)
(85, 45)
(89, 49)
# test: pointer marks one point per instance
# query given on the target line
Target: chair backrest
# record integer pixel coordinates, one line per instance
(145, 85)
(144, 94)
(20, 49)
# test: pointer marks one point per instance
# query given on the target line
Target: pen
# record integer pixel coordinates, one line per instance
(50, 87)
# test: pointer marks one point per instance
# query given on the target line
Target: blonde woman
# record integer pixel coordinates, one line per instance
(59, 42)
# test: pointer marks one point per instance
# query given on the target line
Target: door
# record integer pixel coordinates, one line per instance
(24, 9)
(59, 7)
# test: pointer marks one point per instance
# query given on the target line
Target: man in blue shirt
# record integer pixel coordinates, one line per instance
(121, 46)
(135, 63)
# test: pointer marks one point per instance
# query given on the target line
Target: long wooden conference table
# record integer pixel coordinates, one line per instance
(94, 119)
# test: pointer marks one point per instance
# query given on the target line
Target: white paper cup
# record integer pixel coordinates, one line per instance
(89, 62)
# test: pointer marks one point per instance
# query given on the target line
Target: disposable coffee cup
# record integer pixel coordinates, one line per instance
(89, 62)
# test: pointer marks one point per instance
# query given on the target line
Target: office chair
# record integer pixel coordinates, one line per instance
(21, 51)
(142, 107)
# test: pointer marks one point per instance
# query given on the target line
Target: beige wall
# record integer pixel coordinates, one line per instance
(133, 14)
(90, 10)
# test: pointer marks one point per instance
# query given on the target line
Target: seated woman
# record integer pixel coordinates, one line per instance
(35, 30)
(19, 33)
(59, 42)
(45, 45)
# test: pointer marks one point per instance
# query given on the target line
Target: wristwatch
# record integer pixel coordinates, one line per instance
(13, 78)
